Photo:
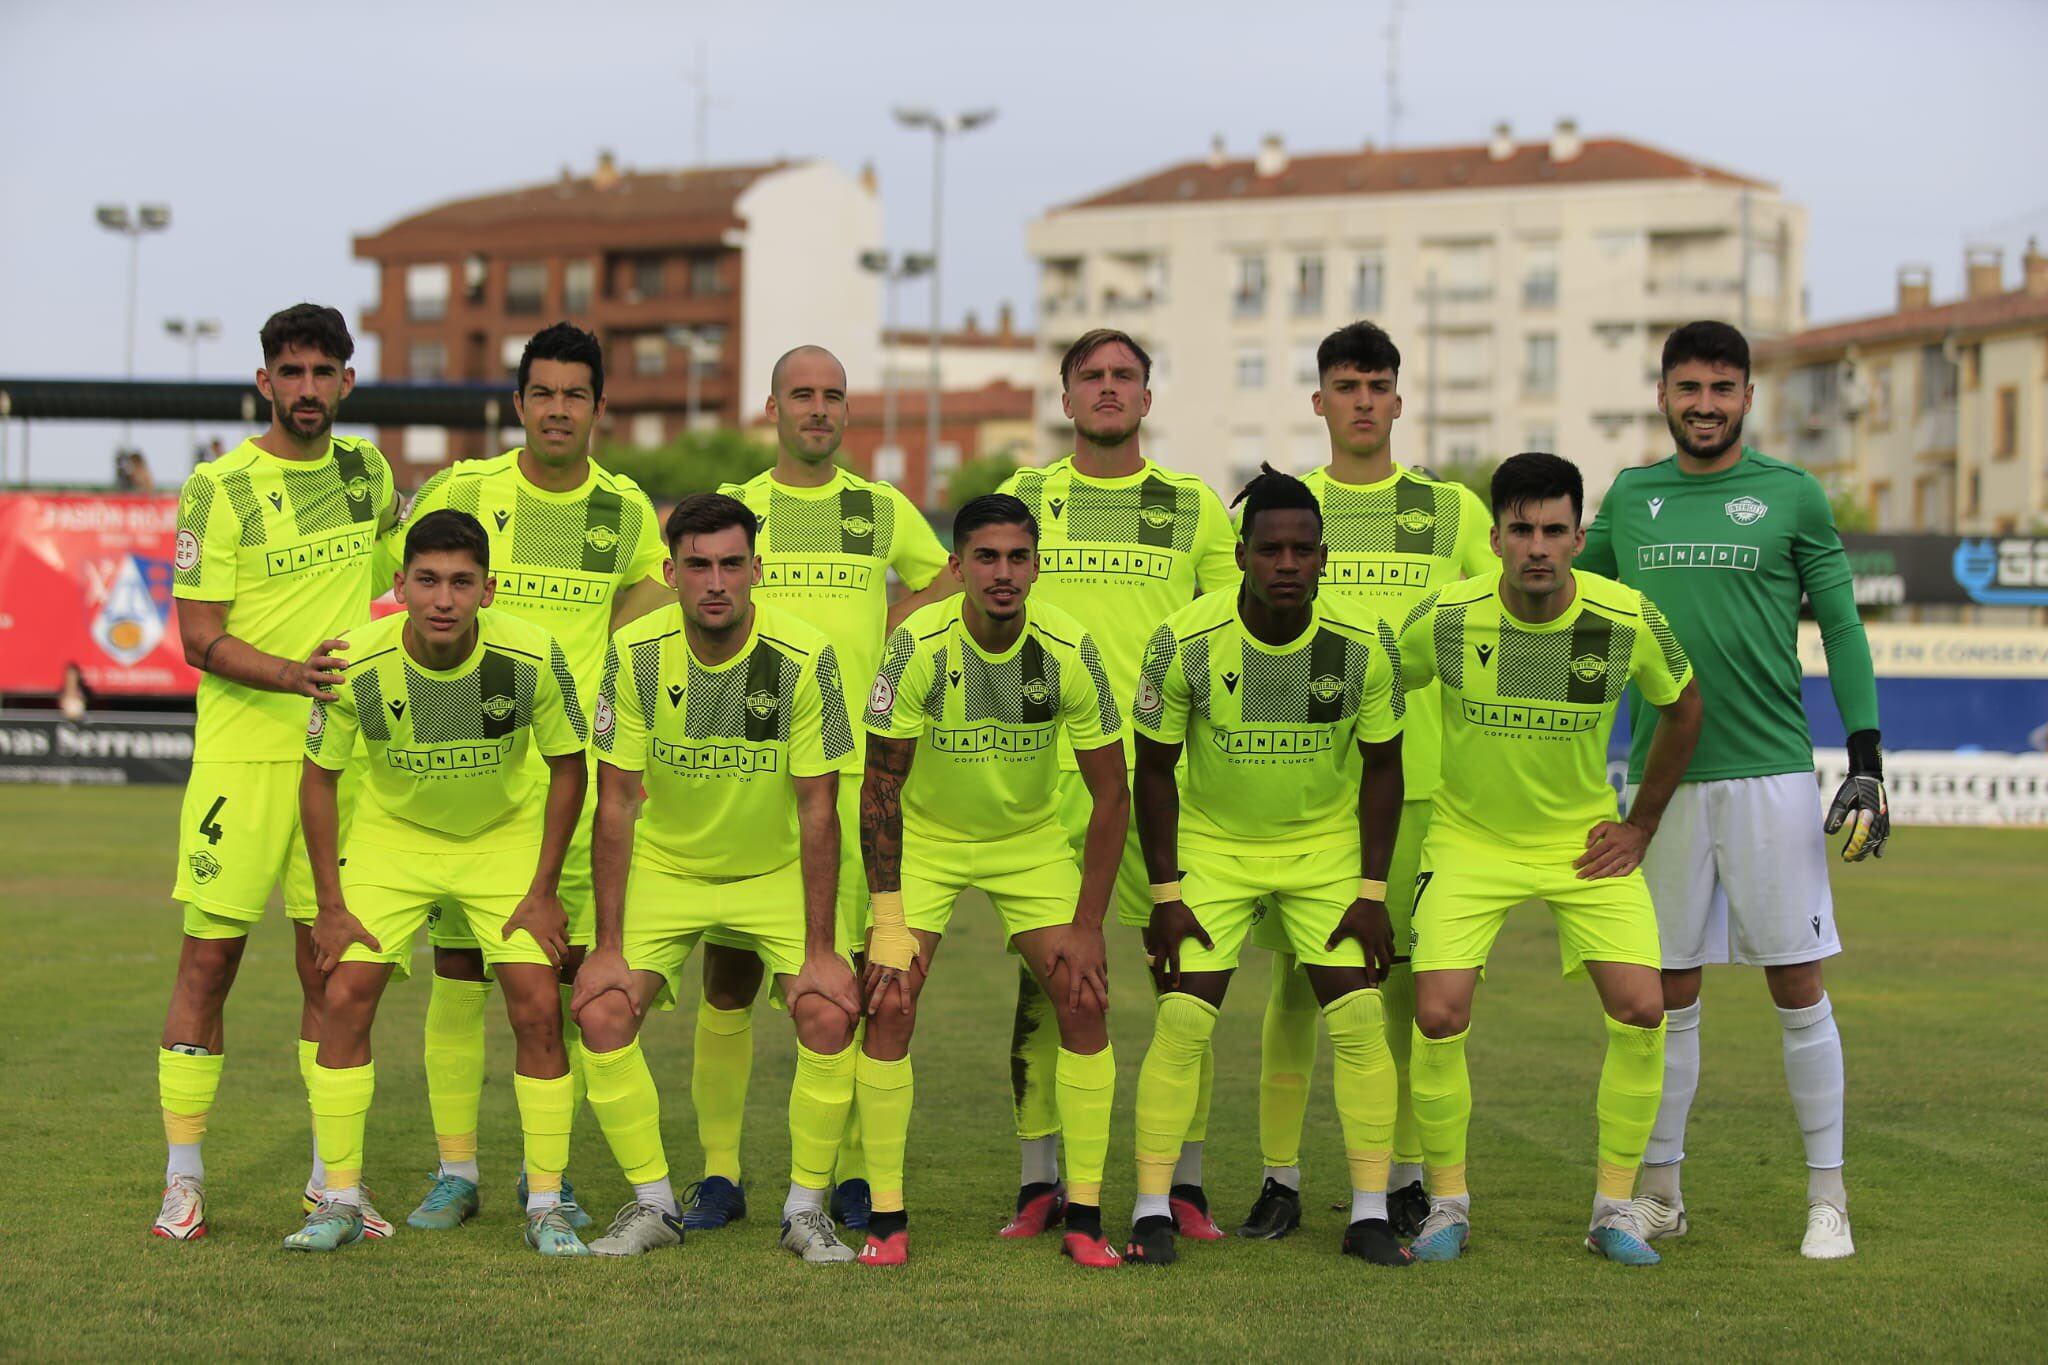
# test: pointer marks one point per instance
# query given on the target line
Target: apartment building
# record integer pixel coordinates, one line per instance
(694, 280)
(1935, 414)
(1529, 284)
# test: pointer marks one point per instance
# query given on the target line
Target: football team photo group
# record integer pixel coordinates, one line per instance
(757, 750)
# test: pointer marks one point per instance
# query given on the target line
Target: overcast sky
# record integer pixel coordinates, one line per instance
(276, 133)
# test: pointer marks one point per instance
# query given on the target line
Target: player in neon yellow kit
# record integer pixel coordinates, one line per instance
(1123, 542)
(451, 702)
(576, 550)
(274, 561)
(828, 539)
(986, 688)
(1393, 533)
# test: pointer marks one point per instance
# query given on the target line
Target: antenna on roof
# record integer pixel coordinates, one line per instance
(1394, 8)
(699, 81)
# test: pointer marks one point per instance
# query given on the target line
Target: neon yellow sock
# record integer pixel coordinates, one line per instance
(454, 1056)
(1287, 1058)
(1198, 1123)
(1397, 997)
(1443, 1109)
(1364, 1086)
(852, 1162)
(341, 1105)
(572, 1043)
(882, 1094)
(1034, 1060)
(1170, 1086)
(547, 1111)
(628, 1109)
(721, 1067)
(819, 1097)
(185, 1088)
(1087, 1091)
(1631, 1087)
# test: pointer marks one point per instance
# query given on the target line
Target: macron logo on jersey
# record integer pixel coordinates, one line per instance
(1656, 506)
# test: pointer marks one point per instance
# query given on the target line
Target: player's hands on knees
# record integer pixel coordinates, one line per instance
(603, 970)
(1082, 952)
(1614, 848)
(319, 675)
(1368, 923)
(882, 979)
(826, 975)
(540, 914)
(335, 928)
(1171, 923)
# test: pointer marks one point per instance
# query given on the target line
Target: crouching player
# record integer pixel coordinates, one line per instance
(449, 699)
(990, 684)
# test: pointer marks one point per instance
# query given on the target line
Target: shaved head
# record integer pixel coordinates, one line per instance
(807, 403)
(809, 355)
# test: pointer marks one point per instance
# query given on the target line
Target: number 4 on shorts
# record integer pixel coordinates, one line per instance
(208, 825)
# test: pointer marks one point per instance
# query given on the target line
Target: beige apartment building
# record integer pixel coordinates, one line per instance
(1936, 415)
(1529, 285)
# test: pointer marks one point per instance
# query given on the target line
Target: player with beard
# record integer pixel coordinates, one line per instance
(275, 556)
(1729, 541)
(1124, 542)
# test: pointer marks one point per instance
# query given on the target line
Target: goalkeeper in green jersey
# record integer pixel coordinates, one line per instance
(1729, 541)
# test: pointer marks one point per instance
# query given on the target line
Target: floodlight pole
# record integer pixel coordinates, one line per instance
(940, 126)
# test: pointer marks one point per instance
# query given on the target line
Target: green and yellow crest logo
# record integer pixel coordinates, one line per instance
(205, 867)
(1414, 520)
(600, 538)
(1326, 687)
(498, 707)
(1587, 667)
(761, 703)
(857, 526)
(358, 488)
(1036, 691)
(1155, 516)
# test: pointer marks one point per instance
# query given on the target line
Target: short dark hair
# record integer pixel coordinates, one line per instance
(448, 529)
(1273, 491)
(312, 325)
(1714, 342)
(566, 342)
(702, 513)
(1364, 346)
(1535, 475)
(1088, 343)
(992, 509)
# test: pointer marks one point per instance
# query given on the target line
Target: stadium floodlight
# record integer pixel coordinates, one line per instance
(145, 219)
(113, 217)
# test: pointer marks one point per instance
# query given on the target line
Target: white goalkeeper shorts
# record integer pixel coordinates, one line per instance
(1739, 873)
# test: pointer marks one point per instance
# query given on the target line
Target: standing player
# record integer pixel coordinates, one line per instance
(991, 683)
(577, 552)
(1290, 708)
(828, 539)
(1124, 542)
(734, 717)
(1730, 540)
(451, 702)
(274, 561)
(1533, 660)
(1393, 534)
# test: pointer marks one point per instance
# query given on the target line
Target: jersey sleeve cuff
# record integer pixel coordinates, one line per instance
(320, 761)
(618, 762)
(183, 593)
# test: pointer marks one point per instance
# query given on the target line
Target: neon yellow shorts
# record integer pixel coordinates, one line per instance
(238, 838)
(392, 890)
(667, 913)
(1031, 878)
(1464, 890)
(1310, 890)
(852, 899)
(1130, 902)
(452, 930)
(1270, 934)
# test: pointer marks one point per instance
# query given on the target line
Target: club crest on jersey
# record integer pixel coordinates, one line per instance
(188, 550)
(1155, 516)
(761, 703)
(357, 489)
(600, 538)
(501, 516)
(1656, 506)
(883, 697)
(205, 867)
(1745, 511)
(316, 722)
(1587, 667)
(857, 526)
(605, 718)
(498, 707)
(1414, 520)
(1326, 687)
(1036, 691)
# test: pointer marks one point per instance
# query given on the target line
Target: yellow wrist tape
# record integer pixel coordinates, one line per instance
(885, 907)
(1162, 892)
(1370, 890)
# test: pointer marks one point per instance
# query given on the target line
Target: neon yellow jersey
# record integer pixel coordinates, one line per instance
(718, 744)
(289, 545)
(1528, 708)
(826, 553)
(1272, 731)
(447, 752)
(988, 764)
(1121, 555)
(560, 559)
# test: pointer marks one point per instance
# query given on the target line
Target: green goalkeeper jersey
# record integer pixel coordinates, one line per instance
(1727, 557)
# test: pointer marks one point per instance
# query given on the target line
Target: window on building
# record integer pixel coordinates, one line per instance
(1539, 275)
(425, 445)
(647, 430)
(1465, 271)
(1368, 276)
(1248, 297)
(647, 277)
(945, 457)
(1881, 512)
(1937, 379)
(1881, 396)
(1308, 286)
(579, 284)
(2005, 424)
(1160, 370)
(889, 464)
(1247, 452)
(1251, 366)
(1539, 364)
(1973, 493)
(426, 292)
(650, 354)
(1302, 364)
(708, 349)
(1468, 359)
(426, 362)
(510, 350)
(704, 275)
(476, 274)
(526, 286)
(1540, 438)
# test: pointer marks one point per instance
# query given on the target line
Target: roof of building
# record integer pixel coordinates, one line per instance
(1408, 171)
(610, 195)
(970, 338)
(1992, 313)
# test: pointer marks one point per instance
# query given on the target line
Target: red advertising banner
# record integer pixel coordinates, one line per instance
(86, 579)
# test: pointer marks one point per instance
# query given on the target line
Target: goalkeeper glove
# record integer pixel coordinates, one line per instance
(890, 942)
(1860, 803)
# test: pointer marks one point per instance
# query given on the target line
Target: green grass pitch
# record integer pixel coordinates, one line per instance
(1942, 1009)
